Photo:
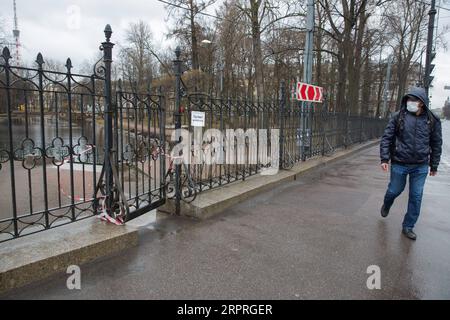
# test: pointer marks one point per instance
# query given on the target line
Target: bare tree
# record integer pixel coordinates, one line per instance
(235, 50)
(185, 15)
(4, 41)
(406, 24)
(347, 27)
(136, 56)
(263, 16)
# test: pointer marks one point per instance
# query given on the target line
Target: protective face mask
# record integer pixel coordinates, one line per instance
(412, 106)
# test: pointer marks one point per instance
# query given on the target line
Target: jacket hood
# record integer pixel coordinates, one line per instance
(417, 92)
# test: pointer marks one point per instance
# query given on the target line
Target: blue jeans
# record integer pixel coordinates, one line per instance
(417, 176)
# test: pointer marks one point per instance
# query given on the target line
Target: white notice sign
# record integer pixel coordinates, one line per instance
(197, 119)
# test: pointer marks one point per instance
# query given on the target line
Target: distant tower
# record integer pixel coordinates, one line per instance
(16, 34)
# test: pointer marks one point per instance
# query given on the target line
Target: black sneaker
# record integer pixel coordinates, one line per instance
(409, 234)
(384, 211)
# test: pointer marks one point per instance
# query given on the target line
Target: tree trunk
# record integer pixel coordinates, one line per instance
(366, 94)
(354, 62)
(380, 88)
(342, 79)
(194, 44)
(257, 51)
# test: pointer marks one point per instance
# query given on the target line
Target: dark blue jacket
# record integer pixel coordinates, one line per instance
(412, 139)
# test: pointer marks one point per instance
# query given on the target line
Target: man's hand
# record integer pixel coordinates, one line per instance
(433, 173)
(385, 167)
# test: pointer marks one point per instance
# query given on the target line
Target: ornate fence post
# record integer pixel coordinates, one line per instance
(107, 47)
(281, 117)
(162, 138)
(177, 117)
(7, 57)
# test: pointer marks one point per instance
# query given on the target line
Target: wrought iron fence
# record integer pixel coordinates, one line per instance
(139, 134)
(51, 146)
(228, 116)
(305, 131)
(72, 146)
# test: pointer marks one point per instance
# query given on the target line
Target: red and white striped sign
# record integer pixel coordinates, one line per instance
(308, 92)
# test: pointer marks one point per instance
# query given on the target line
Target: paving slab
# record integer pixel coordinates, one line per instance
(214, 201)
(38, 256)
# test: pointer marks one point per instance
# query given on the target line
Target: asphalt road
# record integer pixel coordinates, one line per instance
(313, 238)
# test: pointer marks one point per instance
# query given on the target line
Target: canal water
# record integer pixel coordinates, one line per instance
(34, 191)
(53, 128)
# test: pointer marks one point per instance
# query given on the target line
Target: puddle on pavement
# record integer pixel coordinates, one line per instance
(161, 223)
(147, 220)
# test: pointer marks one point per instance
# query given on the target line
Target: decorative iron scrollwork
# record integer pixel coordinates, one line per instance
(142, 152)
(28, 154)
(58, 151)
(99, 68)
(4, 157)
(128, 154)
(132, 154)
(155, 149)
(83, 150)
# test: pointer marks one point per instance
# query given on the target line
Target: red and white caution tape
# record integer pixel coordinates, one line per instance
(118, 220)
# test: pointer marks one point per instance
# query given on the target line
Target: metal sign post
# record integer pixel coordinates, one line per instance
(177, 117)
(307, 69)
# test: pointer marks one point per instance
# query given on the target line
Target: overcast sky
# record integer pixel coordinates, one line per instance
(74, 28)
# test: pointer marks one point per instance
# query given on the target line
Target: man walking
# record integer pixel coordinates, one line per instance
(412, 141)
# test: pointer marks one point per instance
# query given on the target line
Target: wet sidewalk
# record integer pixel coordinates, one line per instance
(313, 238)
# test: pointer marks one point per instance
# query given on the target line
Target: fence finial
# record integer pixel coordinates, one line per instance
(6, 54)
(69, 64)
(108, 32)
(40, 59)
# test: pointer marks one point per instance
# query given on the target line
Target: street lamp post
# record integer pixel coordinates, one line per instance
(429, 57)
(421, 75)
(307, 71)
(420, 82)
(208, 44)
